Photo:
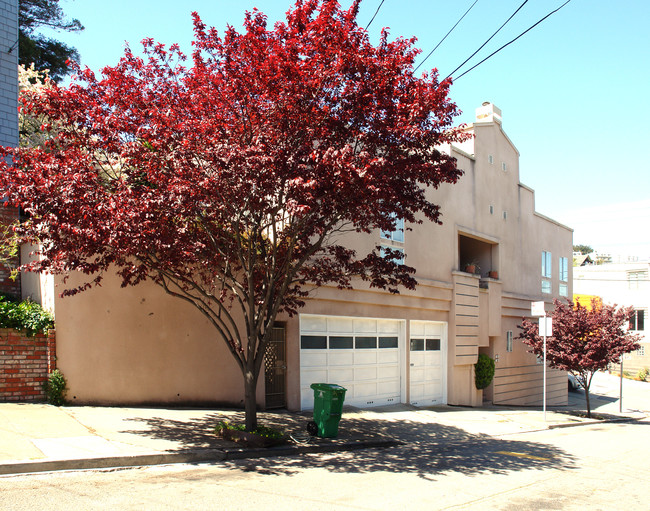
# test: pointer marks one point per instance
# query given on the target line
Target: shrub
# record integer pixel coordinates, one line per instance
(263, 431)
(55, 388)
(642, 374)
(483, 371)
(25, 315)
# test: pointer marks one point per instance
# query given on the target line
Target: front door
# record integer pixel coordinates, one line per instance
(275, 369)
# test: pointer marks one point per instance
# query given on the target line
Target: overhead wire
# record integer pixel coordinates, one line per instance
(495, 33)
(441, 41)
(512, 41)
(374, 15)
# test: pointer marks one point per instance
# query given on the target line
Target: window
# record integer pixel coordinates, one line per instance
(398, 259)
(490, 159)
(398, 233)
(634, 279)
(564, 290)
(425, 344)
(313, 342)
(491, 210)
(637, 320)
(503, 166)
(641, 351)
(564, 269)
(546, 286)
(509, 340)
(505, 215)
(546, 265)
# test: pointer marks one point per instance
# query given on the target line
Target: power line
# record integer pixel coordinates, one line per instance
(452, 28)
(481, 47)
(373, 16)
(510, 42)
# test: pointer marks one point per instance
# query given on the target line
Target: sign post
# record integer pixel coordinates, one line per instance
(537, 309)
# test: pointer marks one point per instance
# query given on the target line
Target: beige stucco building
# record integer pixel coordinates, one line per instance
(137, 345)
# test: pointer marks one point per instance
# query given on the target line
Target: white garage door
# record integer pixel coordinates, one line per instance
(360, 354)
(428, 363)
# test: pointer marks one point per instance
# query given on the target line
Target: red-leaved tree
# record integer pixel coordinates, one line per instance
(584, 340)
(230, 182)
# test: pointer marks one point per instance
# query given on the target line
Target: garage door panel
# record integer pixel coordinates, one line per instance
(365, 390)
(339, 325)
(387, 388)
(365, 326)
(433, 358)
(313, 359)
(391, 372)
(341, 375)
(313, 324)
(388, 327)
(362, 357)
(417, 358)
(365, 373)
(341, 358)
(388, 357)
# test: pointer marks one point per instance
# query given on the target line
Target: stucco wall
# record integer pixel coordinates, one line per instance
(138, 345)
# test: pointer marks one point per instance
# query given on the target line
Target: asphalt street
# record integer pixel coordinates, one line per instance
(600, 466)
(597, 467)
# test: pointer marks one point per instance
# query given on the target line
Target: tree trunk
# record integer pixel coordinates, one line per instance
(587, 399)
(250, 399)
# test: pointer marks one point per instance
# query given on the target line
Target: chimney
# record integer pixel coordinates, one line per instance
(487, 112)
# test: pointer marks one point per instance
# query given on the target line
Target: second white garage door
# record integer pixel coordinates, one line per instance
(428, 363)
(360, 354)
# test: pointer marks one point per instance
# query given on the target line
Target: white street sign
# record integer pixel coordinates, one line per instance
(537, 309)
(546, 326)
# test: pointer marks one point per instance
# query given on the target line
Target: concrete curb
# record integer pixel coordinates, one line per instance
(590, 422)
(189, 456)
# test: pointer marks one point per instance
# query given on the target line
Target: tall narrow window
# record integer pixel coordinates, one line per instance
(564, 269)
(546, 264)
(398, 233)
(509, 340)
(398, 258)
(637, 320)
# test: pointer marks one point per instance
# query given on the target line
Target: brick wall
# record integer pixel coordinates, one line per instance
(25, 363)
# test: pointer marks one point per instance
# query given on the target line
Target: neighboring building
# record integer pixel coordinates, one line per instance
(624, 284)
(138, 345)
(8, 122)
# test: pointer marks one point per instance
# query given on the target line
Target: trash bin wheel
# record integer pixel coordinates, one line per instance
(312, 428)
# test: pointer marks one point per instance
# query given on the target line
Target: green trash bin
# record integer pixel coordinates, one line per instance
(328, 407)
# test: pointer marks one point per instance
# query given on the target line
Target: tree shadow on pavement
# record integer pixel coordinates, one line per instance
(426, 448)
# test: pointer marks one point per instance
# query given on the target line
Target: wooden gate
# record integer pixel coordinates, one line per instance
(275, 369)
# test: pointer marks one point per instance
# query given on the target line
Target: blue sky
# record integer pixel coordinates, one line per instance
(574, 91)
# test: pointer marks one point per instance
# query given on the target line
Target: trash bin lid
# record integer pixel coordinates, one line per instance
(327, 387)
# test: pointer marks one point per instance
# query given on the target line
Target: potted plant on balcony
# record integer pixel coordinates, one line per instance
(493, 274)
(472, 267)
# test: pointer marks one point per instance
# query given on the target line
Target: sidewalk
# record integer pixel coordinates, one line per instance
(40, 437)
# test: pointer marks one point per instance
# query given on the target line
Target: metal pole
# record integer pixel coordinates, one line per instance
(545, 327)
(620, 399)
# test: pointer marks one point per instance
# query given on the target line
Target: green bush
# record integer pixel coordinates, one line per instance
(483, 371)
(55, 388)
(642, 374)
(25, 315)
(263, 431)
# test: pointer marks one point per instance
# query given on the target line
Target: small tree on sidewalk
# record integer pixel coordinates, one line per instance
(584, 340)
